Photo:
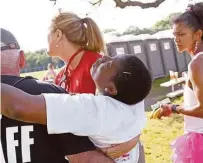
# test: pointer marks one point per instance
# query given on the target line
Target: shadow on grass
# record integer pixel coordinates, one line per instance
(175, 119)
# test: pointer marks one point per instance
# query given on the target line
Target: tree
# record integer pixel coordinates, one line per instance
(164, 24)
(132, 30)
(43, 60)
(58, 62)
(39, 60)
(41, 51)
(112, 32)
(109, 30)
(137, 31)
(161, 25)
(36, 59)
(125, 3)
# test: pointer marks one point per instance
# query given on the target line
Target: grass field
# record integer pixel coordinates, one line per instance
(157, 136)
(158, 133)
(38, 74)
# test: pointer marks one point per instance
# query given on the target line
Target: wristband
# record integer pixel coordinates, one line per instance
(174, 108)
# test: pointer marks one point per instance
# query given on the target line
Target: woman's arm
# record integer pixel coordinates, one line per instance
(196, 77)
(89, 157)
(21, 106)
(120, 149)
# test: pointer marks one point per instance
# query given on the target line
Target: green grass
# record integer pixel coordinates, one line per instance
(158, 133)
(39, 74)
(157, 137)
(157, 82)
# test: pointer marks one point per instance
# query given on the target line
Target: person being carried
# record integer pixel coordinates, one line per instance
(28, 142)
(79, 43)
(114, 116)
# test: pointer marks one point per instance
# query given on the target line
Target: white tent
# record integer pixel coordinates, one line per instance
(108, 38)
(164, 34)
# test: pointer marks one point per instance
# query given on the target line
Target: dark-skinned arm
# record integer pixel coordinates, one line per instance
(22, 106)
(89, 157)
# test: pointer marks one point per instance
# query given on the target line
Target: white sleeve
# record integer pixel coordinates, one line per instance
(122, 122)
(77, 114)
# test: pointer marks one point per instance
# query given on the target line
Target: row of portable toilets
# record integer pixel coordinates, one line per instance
(159, 55)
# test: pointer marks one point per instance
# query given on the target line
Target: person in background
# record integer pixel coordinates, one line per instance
(78, 42)
(50, 75)
(28, 142)
(188, 32)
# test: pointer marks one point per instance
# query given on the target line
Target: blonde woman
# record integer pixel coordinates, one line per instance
(78, 43)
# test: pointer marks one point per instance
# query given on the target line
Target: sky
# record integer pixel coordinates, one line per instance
(29, 20)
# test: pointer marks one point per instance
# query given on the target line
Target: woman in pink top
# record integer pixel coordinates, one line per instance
(50, 74)
(188, 32)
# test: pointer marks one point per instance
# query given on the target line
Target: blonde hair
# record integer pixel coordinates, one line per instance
(82, 32)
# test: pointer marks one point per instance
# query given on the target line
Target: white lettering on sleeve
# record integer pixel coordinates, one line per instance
(26, 142)
(11, 144)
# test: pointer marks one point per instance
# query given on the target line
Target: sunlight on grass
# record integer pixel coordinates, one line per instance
(158, 135)
(39, 74)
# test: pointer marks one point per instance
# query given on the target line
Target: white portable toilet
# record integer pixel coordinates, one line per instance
(154, 57)
(167, 50)
(116, 46)
(136, 46)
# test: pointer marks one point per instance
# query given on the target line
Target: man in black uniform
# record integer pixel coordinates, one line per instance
(30, 143)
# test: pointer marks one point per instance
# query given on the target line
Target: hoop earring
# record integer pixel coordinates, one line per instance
(196, 45)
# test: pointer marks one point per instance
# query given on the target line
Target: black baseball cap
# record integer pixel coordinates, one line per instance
(8, 41)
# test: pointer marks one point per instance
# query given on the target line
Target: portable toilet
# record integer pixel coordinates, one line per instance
(152, 48)
(109, 38)
(136, 46)
(117, 46)
(167, 50)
